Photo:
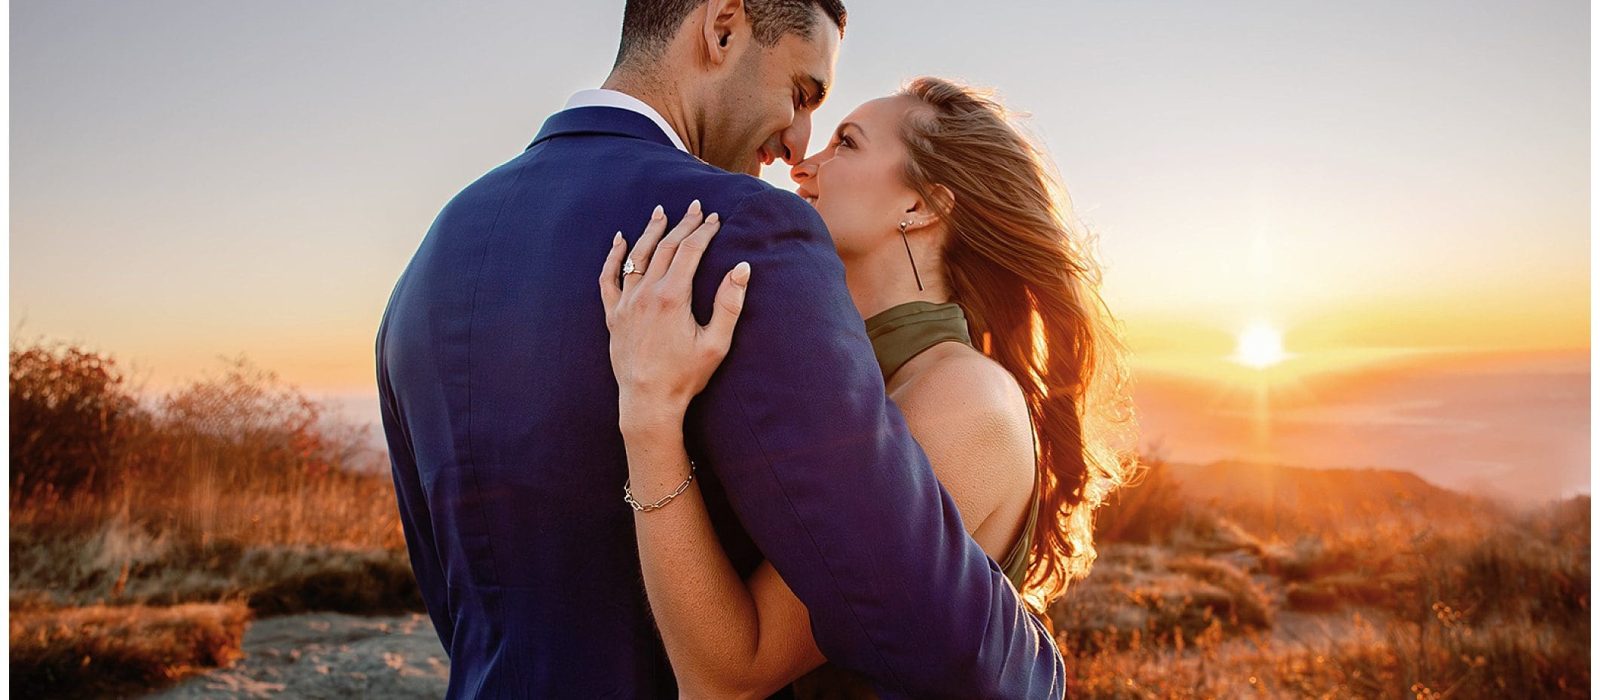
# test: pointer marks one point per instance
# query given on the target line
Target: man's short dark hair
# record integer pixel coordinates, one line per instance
(647, 25)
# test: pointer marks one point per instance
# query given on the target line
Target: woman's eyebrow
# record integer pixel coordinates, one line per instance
(840, 131)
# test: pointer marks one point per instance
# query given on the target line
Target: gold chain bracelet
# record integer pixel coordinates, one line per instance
(627, 493)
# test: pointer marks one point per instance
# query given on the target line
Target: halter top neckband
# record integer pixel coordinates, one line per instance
(902, 332)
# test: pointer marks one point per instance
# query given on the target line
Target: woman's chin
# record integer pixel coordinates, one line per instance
(822, 213)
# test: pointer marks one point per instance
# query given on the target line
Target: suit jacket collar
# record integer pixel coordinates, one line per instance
(614, 121)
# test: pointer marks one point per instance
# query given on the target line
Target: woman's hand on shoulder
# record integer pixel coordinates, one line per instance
(661, 356)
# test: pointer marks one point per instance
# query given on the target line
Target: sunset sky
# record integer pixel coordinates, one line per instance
(195, 179)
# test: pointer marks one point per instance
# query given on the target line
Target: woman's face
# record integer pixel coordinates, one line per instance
(857, 183)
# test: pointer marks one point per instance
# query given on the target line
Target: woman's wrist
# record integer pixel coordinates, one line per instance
(652, 421)
(657, 462)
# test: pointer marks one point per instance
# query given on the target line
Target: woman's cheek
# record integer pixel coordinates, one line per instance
(838, 229)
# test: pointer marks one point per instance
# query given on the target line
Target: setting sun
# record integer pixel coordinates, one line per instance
(1259, 346)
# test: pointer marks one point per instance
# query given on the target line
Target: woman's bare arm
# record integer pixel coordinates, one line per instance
(726, 636)
(710, 620)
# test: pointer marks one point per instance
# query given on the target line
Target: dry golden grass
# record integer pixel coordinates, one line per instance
(189, 541)
(1460, 601)
(229, 497)
(103, 650)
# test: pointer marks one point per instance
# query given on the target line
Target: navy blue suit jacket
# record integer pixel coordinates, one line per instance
(500, 410)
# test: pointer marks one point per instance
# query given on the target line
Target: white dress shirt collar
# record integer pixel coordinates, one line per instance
(601, 97)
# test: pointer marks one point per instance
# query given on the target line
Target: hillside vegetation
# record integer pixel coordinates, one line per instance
(146, 535)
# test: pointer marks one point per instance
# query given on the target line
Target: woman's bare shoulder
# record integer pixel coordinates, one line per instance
(971, 418)
(958, 381)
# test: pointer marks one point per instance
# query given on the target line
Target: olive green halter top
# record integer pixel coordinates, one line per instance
(903, 332)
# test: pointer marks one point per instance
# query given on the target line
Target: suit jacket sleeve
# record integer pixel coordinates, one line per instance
(415, 518)
(824, 475)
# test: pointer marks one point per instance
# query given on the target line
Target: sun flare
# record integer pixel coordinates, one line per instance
(1260, 345)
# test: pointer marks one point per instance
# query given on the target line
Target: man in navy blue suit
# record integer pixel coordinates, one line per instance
(499, 402)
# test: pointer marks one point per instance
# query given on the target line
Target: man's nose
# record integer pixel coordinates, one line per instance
(796, 138)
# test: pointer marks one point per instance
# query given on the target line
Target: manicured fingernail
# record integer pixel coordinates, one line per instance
(658, 213)
(617, 240)
(712, 218)
(694, 207)
(741, 274)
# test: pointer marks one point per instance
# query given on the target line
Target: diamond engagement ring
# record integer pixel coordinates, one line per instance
(629, 269)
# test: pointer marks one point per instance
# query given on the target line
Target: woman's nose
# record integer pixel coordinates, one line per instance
(803, 170)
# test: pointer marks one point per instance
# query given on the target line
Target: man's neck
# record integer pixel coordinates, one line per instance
(661, 96)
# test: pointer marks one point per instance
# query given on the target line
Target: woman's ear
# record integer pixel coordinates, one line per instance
(923, 213)
(723, 18)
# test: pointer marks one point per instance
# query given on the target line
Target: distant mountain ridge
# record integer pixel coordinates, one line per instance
(1283, 495)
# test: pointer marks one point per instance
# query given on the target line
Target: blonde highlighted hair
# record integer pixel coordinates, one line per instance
(1019, 265)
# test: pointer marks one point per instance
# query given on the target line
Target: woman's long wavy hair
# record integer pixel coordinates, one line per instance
(1018, 264)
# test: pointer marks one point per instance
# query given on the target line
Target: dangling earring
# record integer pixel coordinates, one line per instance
(903, 226)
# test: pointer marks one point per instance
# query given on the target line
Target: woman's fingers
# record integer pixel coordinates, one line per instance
(729, 304)
(645, 246)
(661, 257)
(680, 277)
(610, 285)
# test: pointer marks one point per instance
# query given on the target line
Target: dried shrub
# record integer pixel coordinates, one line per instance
(228, 487)
(116, 651)
(1145, 511)
(70, 413)
(1244, 602)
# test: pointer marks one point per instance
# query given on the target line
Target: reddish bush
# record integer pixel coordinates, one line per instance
(69, 414)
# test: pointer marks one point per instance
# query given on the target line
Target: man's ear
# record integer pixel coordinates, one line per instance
(724, 19)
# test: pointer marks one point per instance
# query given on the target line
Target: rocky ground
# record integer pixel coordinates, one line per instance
(329, 655)
(332, 655)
